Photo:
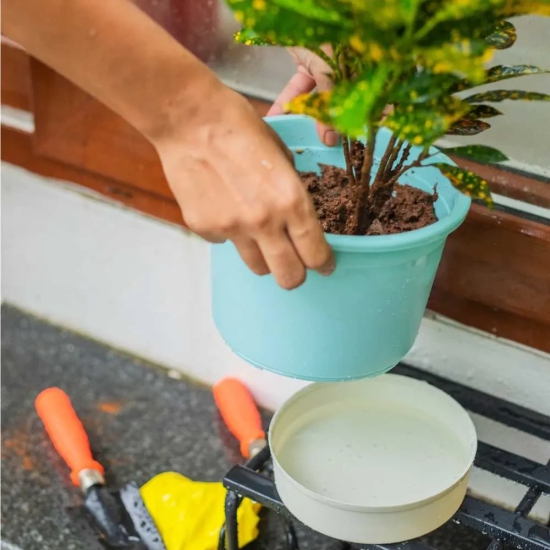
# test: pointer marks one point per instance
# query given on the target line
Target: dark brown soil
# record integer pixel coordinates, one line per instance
(408, 209)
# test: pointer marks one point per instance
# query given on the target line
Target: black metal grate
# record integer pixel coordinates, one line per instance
(254, 481)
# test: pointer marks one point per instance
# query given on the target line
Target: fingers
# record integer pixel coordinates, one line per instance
(313, 72)
(327, 135)
(300, 83)
(320, 72)
(207, 236)
(251, 255)
(308, 239)
(282, 259)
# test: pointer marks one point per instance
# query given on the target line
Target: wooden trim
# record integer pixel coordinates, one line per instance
(73, 128)
(491, 319)
(17, 149)
(495, 271)
(16, 80)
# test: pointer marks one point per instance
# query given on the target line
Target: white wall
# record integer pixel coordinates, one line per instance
(142, 285)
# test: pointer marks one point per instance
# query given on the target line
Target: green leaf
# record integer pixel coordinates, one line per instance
(483, 111)
(480, 153)
(503, 36)
(467, 127)
(275, 24)
(423, 124)
(467, 182)
(353, 102)
(495, 96)
(315, 105)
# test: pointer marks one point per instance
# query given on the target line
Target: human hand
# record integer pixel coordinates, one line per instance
(234, 179)
(312, 72)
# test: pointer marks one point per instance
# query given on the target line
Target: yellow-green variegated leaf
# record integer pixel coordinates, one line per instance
(478, 153)
(459, 9)
(504, 72)
(504, 36)
(372, 50)
(498, 73)
(352, 102)
(315, 105)
(467, 127)
(418, 87)
(276, 24)
(483, 111)
(510, 8)
(250, 38)
(424, 123)
(467, 57)
(326, 11)
(495, 96)
(386, 14)
(468, 183)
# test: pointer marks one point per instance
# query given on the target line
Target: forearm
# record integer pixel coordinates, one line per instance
(116, 53)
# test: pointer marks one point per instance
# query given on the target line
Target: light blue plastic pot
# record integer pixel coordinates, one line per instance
(362, 320)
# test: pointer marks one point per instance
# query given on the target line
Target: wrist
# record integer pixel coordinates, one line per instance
(179, 110)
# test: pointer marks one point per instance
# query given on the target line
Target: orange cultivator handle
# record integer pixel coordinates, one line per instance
(240, 414)
(66, 432)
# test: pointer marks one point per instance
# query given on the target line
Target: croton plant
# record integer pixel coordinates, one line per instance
(414, 55)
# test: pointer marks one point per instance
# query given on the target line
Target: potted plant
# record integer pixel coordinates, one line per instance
(386, 197)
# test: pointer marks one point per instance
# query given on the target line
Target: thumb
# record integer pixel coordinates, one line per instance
(300, 83)
(320, 72)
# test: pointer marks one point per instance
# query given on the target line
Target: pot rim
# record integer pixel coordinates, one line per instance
(363, 508)
(389, 243)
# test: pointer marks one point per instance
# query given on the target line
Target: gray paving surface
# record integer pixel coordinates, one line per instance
(140, 423)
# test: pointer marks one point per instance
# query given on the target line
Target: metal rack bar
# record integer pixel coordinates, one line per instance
(503, 525)
(514, 467)
(485, 404)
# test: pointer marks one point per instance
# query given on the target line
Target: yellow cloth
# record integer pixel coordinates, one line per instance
(189, 514)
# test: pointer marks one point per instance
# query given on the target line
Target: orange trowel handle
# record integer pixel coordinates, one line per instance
(239, 412)
(66, 431)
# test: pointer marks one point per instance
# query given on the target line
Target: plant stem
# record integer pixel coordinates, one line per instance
(349, 164)
(392, 159)
(402, 160)
(363, 188)
(398, 173)
(390, 149)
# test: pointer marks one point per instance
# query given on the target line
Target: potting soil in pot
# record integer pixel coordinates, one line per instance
(333, 197)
